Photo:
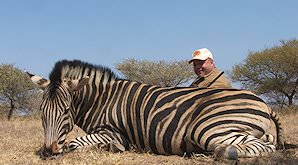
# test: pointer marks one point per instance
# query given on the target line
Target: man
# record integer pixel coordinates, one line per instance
(208, 75)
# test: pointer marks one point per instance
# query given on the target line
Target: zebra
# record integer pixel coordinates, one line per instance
(117, 114)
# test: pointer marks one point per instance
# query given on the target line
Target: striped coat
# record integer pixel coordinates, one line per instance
(117, 114)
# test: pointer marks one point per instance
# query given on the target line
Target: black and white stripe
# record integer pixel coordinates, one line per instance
(117, 113)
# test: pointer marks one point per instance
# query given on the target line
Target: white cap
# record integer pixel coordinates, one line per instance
(201, 54)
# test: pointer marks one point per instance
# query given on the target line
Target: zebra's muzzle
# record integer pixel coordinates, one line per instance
(51, 152)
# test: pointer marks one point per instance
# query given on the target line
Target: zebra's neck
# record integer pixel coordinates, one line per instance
(89, 100)
(92, 103)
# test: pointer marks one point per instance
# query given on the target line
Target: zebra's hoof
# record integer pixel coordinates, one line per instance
(111, 147)
(226, 152)
(68, 147)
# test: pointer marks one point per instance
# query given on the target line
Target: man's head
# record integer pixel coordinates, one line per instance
(202, 60)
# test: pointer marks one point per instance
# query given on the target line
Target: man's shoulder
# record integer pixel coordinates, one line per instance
(213, 74)
(220, 79)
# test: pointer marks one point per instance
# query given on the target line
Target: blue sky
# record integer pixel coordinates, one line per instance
(34, 34)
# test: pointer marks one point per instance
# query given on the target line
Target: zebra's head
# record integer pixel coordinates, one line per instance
(56, 111)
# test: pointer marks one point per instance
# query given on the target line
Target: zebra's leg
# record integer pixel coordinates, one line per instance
(244, 146)
(104, 139)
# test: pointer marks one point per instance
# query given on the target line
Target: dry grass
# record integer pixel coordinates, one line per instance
(20, 138)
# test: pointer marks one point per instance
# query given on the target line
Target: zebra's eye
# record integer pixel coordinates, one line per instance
(66, 110)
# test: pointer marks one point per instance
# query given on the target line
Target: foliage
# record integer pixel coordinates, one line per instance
(15, 89)
(272, 72)
(159, 73)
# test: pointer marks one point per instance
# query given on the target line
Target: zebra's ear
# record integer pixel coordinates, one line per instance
(76, 85)
(39, 81)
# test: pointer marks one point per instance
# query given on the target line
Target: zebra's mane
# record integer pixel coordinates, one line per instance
(77, 69)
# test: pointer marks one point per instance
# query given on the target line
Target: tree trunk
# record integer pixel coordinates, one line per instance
(12, 106)
(290, 100)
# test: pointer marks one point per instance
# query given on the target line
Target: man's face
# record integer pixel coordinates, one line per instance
(203, 67)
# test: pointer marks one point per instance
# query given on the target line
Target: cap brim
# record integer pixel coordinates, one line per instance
(190, 61)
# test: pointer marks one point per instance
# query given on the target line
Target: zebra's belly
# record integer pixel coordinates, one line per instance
(168, 141)
(172, 146)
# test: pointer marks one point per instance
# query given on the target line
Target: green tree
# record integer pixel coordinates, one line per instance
(159, 73)
(272, 72)
(15, 88)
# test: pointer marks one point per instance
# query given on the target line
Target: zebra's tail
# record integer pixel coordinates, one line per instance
(281, 143)
(280, 138)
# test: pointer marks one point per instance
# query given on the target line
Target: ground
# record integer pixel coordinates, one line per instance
(22, 137)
